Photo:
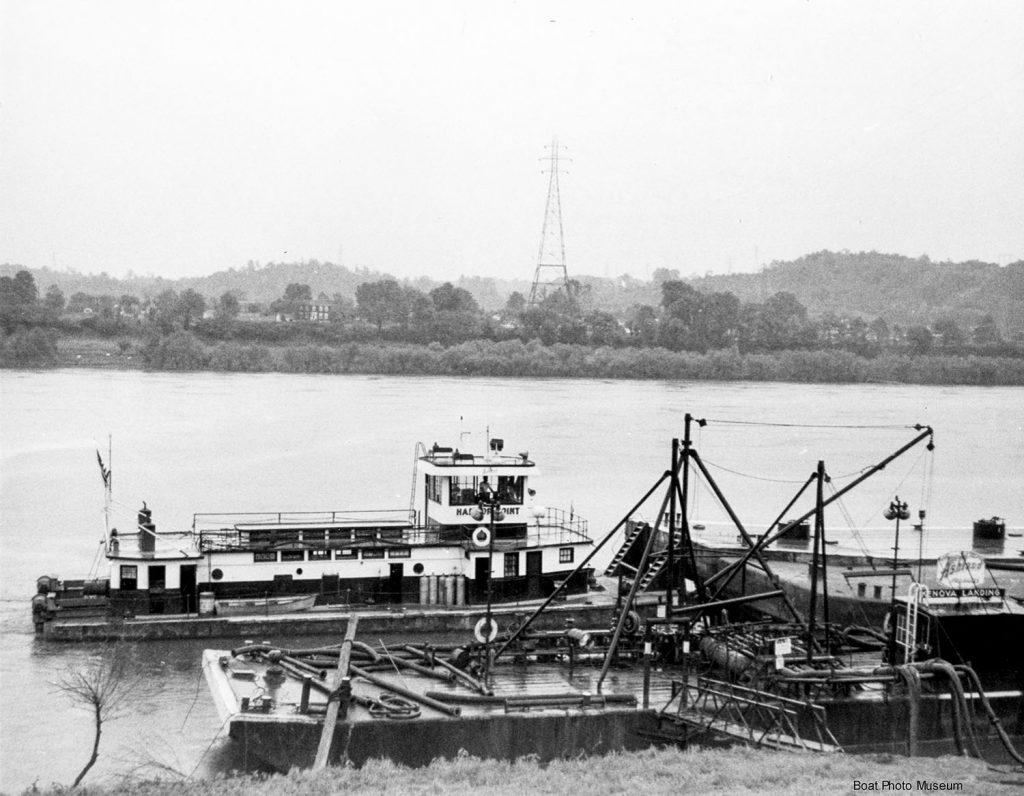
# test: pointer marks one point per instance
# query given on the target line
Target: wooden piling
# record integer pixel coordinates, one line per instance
(334, 703)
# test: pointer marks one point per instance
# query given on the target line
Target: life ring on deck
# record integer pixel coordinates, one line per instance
(632, 623)
(483, 633)
(481, 537)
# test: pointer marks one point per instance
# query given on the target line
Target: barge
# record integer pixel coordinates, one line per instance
(938, 679)
(473, 533)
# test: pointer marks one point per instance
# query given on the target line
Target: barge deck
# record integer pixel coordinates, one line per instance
(328, 621)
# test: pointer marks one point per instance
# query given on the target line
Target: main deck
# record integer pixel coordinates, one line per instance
(545, 710)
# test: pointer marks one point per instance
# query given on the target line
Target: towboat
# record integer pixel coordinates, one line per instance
(472, 533)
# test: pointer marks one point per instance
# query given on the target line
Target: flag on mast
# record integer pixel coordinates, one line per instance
(104, 472)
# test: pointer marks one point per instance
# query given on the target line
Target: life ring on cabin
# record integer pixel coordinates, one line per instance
(481, 537)
(483, 633)
(632, 623)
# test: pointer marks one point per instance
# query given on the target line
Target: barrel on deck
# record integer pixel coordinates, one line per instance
(206, 605)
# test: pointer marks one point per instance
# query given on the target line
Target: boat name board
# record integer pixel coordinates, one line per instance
(980, 594)
(467, 511)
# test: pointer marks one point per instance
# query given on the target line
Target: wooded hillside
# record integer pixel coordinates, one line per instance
(901, 290)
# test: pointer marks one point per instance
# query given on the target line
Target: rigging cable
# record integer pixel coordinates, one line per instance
(694, 475)
(95, 568)
(807, 425)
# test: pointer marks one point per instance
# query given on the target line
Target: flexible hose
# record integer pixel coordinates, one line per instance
(913, 680)
(992, 717)
(958, 703)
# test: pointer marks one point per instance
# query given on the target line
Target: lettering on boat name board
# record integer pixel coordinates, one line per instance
(962, 568)
(467, 511)
(965, 595)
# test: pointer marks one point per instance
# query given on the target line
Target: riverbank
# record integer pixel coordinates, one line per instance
(183, 351)
(737, 770)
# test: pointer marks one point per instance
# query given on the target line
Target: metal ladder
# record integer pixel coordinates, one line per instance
(906, 632)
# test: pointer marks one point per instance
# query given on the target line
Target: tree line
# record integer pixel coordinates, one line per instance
(236, 335)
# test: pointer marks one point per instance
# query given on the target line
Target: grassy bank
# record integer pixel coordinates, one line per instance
(731, 771)
(514, 359)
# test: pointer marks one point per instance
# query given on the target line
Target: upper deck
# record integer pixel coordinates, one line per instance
(438, 460)
(348, 529)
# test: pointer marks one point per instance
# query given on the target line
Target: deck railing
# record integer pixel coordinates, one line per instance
(300, 519)
(363, 528)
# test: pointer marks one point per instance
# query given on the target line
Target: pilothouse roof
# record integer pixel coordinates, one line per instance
(452, 458)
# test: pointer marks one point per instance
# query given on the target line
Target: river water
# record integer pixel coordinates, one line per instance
(222, 442)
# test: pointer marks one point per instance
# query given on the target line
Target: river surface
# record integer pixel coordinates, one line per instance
(220, 442)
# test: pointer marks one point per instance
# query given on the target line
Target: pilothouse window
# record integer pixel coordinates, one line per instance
(510, 489)
(463, 490)
(434, 487)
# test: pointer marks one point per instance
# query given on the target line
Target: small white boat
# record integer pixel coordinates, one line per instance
(259, 606)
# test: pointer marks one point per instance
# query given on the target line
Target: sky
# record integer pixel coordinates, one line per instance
(182, 138)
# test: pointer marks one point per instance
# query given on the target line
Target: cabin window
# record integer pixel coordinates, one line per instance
(319, 555)
(314, 536)
(463, 490)
(417, 568)
(565, 555)
(400, 552)
(260, 537)
(339, 534)
(511, 565)
(373, 552)
(217, 574)
(347, 552)
(510, 489)
(293, 555)
(264, 556)
(434, 488)
(129, 577)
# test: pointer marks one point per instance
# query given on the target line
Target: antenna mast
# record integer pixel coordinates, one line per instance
(551, 272)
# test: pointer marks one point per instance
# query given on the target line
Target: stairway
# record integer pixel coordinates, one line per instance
(656, 562)
(627, 545)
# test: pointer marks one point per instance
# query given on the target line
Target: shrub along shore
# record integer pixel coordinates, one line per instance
(737, 770)
(183, 351)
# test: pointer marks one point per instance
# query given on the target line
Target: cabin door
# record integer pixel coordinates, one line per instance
(188, 588)
(534, 568)
(395, 583)
(482, 575)
(157, 587)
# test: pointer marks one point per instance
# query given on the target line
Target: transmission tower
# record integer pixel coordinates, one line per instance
(551, 273)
